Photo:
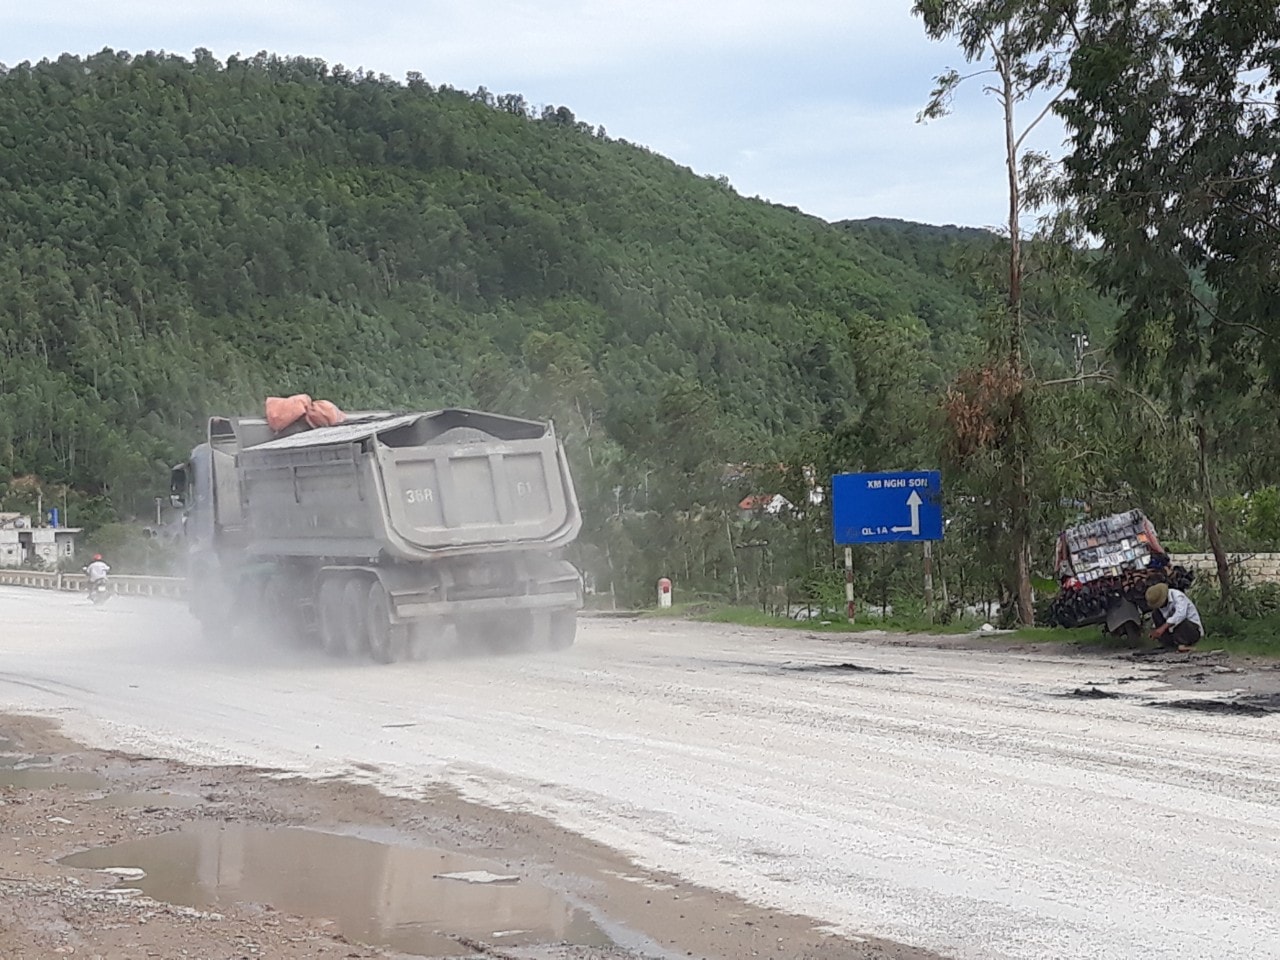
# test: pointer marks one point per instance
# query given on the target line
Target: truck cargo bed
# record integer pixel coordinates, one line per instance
(408, 487)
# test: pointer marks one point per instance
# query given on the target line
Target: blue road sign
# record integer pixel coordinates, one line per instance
(886, 507)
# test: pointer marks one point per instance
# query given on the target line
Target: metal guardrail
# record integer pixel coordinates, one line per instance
(122, 584)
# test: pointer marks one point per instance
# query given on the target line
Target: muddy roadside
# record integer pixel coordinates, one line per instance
(110, 856)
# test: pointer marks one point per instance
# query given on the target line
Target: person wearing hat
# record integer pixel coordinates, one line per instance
(1176, 617)
(97, 569)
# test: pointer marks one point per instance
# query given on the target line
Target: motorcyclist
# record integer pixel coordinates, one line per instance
(97, 569)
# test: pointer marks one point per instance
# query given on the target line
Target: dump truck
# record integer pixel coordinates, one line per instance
(384, 533)
(1104, 568)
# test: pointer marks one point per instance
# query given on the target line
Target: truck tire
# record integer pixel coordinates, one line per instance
(355, 619)
(329, 615)
(388, 642)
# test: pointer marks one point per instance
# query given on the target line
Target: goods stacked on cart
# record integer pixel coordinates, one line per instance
(1109, 546)
(1108, 560)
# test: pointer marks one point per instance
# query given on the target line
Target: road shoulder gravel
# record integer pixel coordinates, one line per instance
(48, 909)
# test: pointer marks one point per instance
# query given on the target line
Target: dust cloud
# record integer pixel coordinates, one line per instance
(250, 640)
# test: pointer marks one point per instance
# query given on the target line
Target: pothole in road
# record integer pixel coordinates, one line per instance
(840, 668)
(1248, 705)
(1090, 693)
(1253, 705)
(416, 901)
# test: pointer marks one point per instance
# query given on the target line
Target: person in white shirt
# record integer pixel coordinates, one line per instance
(1176, 617)
(97, 570)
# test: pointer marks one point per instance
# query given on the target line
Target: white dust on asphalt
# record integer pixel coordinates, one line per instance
(959, 804)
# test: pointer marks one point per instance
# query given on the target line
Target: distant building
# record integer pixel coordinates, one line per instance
(21, 543)
(772, 504)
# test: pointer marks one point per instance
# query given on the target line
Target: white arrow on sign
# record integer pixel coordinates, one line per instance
(913, 502)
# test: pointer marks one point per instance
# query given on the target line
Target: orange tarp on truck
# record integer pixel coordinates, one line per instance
(283, 412)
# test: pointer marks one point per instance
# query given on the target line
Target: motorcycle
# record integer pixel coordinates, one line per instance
(99, 592)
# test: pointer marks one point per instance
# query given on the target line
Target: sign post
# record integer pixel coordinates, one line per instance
(848, 583)
(887, 508)
(928, 578)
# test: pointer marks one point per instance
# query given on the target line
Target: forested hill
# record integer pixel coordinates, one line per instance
(182, 236)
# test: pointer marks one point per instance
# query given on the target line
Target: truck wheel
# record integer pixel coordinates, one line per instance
(329, 613)
(355, 620)
(388, 642)
(564, 629)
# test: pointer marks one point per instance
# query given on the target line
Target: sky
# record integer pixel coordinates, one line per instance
(807, 103)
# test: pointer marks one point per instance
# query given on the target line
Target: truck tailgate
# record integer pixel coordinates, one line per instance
(445, 495)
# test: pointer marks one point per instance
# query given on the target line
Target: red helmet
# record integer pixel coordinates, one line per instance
(97, 556)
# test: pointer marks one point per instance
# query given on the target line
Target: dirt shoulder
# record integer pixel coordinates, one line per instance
(573, 899)
(1206, 667)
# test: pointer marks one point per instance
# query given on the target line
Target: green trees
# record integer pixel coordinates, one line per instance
(1172, 115)
(989, 408)
(180, 238)
(1175, 133)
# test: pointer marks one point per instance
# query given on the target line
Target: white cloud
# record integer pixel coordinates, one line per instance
(549, 37)
(808, 103)
(845, 161)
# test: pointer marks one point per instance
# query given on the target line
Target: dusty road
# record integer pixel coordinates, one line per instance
(957, 801)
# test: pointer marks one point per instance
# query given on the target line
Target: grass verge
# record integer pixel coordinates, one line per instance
(708, 612)
(1255, 638)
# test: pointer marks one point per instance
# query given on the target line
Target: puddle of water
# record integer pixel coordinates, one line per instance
(158, 800)
(378, 894)
(20, 760)
(25, 771)
(41, 778)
